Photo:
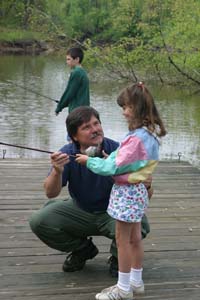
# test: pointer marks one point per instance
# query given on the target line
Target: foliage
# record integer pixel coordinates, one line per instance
(125, 36)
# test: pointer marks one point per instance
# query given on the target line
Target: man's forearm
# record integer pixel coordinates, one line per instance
(53, 183)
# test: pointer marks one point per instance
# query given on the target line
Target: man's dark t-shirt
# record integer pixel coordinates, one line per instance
(90, 191)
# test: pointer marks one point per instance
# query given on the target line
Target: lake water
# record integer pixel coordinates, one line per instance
(28, 119)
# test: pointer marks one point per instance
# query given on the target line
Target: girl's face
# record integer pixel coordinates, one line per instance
(128, 113)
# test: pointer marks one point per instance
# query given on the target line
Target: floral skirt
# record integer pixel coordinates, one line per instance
(128, 202)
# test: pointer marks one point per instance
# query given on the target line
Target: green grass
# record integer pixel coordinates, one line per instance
(10, 35)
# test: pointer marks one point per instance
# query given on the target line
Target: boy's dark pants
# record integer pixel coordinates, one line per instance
(62, 225)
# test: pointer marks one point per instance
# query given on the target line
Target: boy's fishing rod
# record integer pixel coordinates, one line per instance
(30, 148)
(32, 91)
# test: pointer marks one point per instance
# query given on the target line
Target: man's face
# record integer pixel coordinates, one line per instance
(72, 62)
(89, 134)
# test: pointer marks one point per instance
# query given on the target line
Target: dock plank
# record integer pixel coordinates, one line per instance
(29, 270)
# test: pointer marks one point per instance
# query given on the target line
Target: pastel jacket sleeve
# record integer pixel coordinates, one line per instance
(130, 157)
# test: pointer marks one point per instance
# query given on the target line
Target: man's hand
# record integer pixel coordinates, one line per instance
(148, 185)
(58, 160)
(81, 159)
(53, 182)
(150, 192)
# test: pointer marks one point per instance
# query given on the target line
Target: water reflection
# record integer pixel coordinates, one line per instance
(27, 119)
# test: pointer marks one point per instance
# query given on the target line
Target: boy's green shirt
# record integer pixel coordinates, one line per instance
(77, 91)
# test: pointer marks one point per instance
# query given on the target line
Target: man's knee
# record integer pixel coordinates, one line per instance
(38, 217)
(34, 222)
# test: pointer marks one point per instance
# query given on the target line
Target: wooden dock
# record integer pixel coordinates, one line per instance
(29, 270)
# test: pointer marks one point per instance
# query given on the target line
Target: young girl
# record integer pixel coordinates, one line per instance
(130, 165)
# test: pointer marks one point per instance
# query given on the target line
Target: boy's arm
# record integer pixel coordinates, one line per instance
(70, 92)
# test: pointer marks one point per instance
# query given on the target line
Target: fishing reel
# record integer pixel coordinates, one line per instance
(94, 151)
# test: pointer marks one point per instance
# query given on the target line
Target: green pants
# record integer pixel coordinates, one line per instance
(62, 225)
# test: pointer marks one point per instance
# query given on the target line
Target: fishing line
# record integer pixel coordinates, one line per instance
(32, 91)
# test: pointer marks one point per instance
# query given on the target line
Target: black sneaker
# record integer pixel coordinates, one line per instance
(113, 269)
(76, 260)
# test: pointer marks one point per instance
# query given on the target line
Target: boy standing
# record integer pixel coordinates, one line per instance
(77, 90)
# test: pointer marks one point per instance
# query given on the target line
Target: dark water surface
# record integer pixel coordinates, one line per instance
(28, 119)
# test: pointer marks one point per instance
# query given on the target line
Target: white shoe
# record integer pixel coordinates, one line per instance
(114, 293)
(137, 289)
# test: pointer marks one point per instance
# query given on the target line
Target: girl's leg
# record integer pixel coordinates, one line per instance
(137, 259)
(124, 246)
(136, 246)
(123, 235)
(123, 289)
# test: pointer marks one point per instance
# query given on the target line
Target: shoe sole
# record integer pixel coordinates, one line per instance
(138, 290)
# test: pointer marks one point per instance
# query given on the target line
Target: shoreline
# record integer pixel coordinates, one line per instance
(26, 47)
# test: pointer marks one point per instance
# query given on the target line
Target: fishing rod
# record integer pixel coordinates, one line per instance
(30, 148)
(32, 91)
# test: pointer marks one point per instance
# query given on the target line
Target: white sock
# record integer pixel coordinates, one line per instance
(124, 281)
(136, 276)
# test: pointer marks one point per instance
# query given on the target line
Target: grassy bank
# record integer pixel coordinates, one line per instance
(10, 35)
(19, 42)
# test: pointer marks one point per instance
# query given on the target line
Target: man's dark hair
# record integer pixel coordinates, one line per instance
(76, 52)
(77, 117)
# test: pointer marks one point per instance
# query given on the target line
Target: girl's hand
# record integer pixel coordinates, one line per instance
(81, 159)
(105, 155)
